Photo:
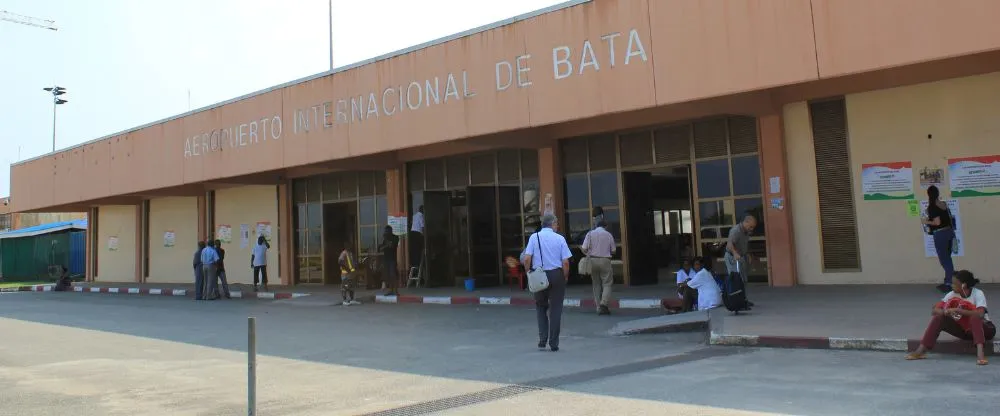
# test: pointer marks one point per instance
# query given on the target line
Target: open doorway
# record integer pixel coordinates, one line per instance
(340, 225)
(660, 222)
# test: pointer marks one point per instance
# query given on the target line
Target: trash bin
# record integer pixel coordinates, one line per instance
(470, 284)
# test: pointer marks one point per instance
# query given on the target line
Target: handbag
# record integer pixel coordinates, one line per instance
(583, 267)
(537, 279)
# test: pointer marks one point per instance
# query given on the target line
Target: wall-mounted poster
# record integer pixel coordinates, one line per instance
(112, 243)
(929, 239)
(169, 238)
(398, 223)
(887, 181)
(931, 177)
(974, 176)
(224, 234)
(264, 229)
(244, 235)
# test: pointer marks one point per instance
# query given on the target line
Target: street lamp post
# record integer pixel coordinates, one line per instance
(56, 92)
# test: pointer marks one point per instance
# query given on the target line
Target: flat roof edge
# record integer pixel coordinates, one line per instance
(390, 55)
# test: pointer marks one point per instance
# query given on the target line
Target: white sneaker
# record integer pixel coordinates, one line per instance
(354, 302)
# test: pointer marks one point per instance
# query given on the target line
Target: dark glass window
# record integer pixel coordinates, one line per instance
(613, 219)
(301, 216)
(416, 200)
(366, 211)
(381, 211)
(576, 192)
(752, 206)
(367, 237)
(510, 232)
(314, 246)
(604, 189)
(298, 191)
(578, 224)
(314, 215)
(713, 178)
(510, 200)
(713, 213)
(746, 175)
(313, 186)
(530, 199)
(300, 248)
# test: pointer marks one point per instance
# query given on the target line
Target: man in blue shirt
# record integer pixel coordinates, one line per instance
(209, 263)
(548, 249)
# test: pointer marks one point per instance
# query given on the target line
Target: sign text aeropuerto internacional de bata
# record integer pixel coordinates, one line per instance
(415, 95)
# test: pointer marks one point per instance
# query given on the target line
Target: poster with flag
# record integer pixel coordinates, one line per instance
(974, 176)
(887, 181)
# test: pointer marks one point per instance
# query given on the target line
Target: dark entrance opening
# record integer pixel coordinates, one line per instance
(660, 222)
(340, 224)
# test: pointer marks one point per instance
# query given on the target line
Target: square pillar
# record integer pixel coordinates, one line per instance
(781, 254)
(550, 181)
(140, 243)
(202, 218)
(286, 257)
(91, 249)
(395, 189)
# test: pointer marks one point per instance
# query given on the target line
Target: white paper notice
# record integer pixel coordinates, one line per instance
(244, 235)
(774, 185)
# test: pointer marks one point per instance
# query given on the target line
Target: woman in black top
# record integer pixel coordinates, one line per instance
(389, 244)
(940, 226)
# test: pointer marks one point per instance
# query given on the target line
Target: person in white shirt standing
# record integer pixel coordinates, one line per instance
(599, 246)
(417, 238)
(548, 249)
(258, 262)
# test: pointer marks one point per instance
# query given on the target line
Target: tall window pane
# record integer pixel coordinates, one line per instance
(366, 211)
(604, 188)
(576, 192)
(713, 178)
(746, 175)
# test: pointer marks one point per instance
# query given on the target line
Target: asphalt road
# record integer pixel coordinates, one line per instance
(92, 354)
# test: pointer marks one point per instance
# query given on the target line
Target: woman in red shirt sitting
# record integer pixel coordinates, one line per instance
(963, 314)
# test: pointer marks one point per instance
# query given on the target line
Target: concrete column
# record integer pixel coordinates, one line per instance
(395, 189)
(550, 180)
(202, 218)
(777, 221)
(140, 244)
(286, 234)
(91, 251)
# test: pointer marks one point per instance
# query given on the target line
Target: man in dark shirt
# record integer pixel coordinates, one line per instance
(390, 243)
(222, 268)
(199, 278)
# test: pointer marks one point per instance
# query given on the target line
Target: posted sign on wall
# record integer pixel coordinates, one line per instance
(887, 181)
(974, 176)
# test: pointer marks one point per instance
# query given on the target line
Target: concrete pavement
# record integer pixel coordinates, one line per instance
(111, 355)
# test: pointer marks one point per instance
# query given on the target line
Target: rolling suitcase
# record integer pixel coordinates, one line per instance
(734, 294)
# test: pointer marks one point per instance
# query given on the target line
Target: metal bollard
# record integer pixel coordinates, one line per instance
(251, 366)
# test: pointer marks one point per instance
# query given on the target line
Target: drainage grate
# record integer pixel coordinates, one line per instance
(456, 401)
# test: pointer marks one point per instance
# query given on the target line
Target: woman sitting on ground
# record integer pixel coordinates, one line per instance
(700, 289)
(963, 314)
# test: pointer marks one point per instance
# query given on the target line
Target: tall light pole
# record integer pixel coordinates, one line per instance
(56, 92)
(330, 29)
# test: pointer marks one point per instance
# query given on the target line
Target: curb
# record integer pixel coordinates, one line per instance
(856, 344)
(522, 301)
(154, 292)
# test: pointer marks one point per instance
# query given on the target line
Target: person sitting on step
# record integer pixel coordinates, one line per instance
(701, 290)
(961, 313)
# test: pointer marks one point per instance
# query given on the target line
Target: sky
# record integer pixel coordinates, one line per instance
(125, 63)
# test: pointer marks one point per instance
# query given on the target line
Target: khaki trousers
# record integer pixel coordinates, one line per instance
(602, 279)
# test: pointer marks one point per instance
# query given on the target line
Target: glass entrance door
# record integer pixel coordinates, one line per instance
(483, 239)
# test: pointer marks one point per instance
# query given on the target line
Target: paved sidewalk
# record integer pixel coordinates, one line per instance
(872, 317)
(642, 297)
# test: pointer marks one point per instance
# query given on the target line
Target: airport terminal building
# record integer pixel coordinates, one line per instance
(675, 117)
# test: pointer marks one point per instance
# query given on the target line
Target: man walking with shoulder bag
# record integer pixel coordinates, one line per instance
(548, 250)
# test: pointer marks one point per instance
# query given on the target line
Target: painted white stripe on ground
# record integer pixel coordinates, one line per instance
(299, 295)
(236, 295)
(639, 303)
(265, 295)
(386, 299)
(743, 340)
(78, 289)
(490, 300)
(95, 290)
(438, 300)
(573, 303)
(179, 292)
(155, 291)
(133, 291)
(884, 344)
(47, 288)
(112, 290)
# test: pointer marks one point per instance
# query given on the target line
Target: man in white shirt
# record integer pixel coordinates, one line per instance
(258, 262)
(417, 238)
(548, 249)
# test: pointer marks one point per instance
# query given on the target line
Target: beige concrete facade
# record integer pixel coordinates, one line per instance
(894, 125)
(591, 67)
(247, 205)
(179, 216)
